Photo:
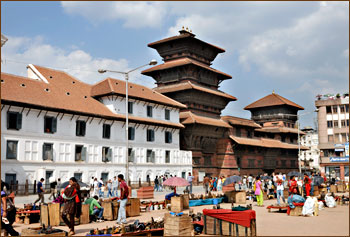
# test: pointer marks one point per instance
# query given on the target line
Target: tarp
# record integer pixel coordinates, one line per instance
(238, 217)
(201, 202)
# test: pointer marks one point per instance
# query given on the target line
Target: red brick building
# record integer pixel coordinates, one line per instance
(223, 145)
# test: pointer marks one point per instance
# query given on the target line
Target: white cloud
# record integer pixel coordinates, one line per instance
(133, 14)
(20, 51)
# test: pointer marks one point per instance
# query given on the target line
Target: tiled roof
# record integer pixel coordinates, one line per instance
(240, 121)
(272, 100)
(264, 142)
(114, 86)
(187, 85)
(279, 130)
(190, 118)
(62, 93)
(181, 62)
(182, 36)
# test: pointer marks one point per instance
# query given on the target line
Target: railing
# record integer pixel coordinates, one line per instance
(275, 116)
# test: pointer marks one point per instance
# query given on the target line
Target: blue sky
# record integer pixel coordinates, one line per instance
(298, 49)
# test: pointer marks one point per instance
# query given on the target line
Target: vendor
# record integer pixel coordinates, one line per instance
(95, 208)
(307, 183)
(293, 186)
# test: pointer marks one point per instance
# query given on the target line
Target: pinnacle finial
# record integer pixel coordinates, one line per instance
(183, 27)
(273, 91)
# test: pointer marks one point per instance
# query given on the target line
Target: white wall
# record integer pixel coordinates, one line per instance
(30, 165)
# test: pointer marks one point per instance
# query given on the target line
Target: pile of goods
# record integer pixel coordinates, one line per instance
(206, 196)
(135, 227)
(43, 231)
(152, 205)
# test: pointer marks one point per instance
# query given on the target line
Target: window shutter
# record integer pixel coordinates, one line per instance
(109, 155)
(77, 126)
(50, 153)
(8, 120)
(132, 133)
(19, 121)
(152, 135)
(83, 125)
(44, 152)
(132, 156)
(153, 157)
(108, 131)
(83, 154)
(54, 125)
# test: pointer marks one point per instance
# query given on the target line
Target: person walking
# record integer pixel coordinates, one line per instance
(250, 181)
(280, 188)
(109, 187)
(259, 192)
(8, 212)
(92, 180)
(40, 191)
(190, 180)
(219, 187)
(71, 209)
(53, 184)
(156, 183)
(206, 184)
(115, 185)
(124, 193)
(95, 187)
(160, 183)
(101, 188)
(307, 185)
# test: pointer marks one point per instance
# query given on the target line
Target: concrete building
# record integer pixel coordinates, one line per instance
(310, 159)
(333, 134)
(55, 125)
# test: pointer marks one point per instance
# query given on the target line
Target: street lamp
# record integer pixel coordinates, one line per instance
(126, 75)
(298, 123)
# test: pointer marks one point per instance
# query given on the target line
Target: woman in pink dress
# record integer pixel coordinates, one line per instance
(259, 192)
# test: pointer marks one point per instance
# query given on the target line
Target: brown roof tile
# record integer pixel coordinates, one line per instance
(114, 86)
(190, 118)
(272, 100)
(263, 142)
(279, 130)
(181, 62)
(240, 121)
(187, 85)
(182, 36)
(53, 96)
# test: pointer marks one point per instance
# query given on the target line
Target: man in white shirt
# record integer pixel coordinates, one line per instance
(280, 188)
(250, 181)
(190, 180)
(115, 185)
(95, 193)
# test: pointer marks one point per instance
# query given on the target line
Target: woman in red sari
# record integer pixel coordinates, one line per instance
(293, 186)
(307, 183)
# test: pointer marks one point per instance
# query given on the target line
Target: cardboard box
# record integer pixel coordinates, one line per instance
(177, 204)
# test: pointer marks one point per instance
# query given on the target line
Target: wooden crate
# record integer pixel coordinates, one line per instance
(213, 226)
(285, 194)
(230, 196)
(240, 197)
(316, 193)
(133, 207)
(341, 188)
(232, 229)
(186, 199)
(177, 204)
(333, 189)
(145, 192)
(85, 214)
(44, 215)
(107, 211)
(297, 211)
(115, 205)
(228, 188)
(178, 225)
(54, 214)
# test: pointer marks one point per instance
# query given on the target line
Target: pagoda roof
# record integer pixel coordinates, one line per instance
(182, 62)
(240, 121)
(279, 130)
(272, 100)
(187, 85)
(265, 142)
(190, 118)
(184, 35)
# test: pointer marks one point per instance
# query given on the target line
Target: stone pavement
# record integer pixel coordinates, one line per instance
(330, 222)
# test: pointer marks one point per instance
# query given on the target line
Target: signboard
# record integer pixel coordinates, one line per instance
(347, 149)
(338, 145)
(339, 149)
(339, 159)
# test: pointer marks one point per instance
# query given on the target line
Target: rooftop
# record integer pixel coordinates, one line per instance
(190, 118)
(240, 121)
(272, 100)
(187, 85)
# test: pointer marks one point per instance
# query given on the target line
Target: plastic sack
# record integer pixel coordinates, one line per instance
(330, 202)
(320, 205)
(308, 208)
(295, 198)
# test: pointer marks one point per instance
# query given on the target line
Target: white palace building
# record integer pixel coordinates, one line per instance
(55, 125)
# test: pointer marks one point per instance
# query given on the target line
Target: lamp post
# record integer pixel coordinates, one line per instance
(126, 76)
